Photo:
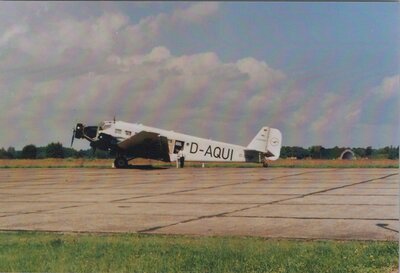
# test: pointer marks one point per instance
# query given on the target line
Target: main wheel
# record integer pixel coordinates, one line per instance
(120, 162)
(265, 164)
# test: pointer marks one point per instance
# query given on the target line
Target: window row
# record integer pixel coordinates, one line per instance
(119, 131)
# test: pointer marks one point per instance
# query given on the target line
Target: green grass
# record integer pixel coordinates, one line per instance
(54, 252)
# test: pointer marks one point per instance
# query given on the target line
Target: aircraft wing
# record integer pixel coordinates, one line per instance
(146, 144)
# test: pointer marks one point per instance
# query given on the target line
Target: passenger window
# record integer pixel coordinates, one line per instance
(118, 131)
(128, 133)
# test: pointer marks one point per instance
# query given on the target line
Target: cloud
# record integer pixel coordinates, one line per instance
(11, 33)
(257, 70)
(63, 69)
(365, 117)
(90, 69)
(196, 13)
(380, 105)
(85, 40)
(389, 88)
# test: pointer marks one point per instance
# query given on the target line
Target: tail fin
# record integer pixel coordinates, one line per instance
(268, 141)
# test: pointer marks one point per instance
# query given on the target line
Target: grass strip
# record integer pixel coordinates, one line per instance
(55, 252)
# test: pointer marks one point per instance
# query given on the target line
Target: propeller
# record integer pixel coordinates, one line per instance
(73, 136)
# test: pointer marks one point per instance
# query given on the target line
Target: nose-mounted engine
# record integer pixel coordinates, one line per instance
(96, 138)
(82, 131)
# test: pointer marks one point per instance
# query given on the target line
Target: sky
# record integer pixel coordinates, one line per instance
(322, 73)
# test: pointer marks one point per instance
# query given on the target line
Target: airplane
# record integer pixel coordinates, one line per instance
(132, 140)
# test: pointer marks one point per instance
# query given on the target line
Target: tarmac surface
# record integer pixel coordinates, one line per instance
(343, 204)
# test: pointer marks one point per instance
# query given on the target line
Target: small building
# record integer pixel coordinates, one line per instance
(347, 154)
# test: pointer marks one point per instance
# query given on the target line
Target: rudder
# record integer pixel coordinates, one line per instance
(268, 141)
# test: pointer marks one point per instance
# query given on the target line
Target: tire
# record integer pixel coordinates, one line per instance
(120, 162)
(265, 164)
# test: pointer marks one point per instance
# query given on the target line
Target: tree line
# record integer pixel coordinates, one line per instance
(56, 150)
(52, 150)
(320, 152)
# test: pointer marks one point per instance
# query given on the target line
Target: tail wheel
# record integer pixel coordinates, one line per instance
(120, 162)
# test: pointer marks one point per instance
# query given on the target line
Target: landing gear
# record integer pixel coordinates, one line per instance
(121, 162)
(265, 164)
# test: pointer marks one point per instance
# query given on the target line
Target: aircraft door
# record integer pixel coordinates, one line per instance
(178, 146)
(171, 145)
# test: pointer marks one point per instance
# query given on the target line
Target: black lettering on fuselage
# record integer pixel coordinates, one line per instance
(227, 154)
(217, 152)
(194, 147)
(208, 151)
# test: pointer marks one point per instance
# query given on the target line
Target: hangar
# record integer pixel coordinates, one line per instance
(347, 154)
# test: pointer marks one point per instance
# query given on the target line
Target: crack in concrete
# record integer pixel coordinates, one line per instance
(309, 218)
(43, 210)
(211, 187)
(264, 204)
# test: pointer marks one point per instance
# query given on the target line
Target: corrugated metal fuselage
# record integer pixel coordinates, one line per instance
(193, 148)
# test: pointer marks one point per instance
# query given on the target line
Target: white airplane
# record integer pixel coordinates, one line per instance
(132, 140)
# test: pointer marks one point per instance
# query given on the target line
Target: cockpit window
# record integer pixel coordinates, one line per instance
(103, 125)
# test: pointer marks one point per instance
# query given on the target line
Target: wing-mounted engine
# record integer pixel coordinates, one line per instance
(105, 142)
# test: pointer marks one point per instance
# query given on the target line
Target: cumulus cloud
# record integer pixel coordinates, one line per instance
(389, 88)
(63, 69)
(69, 42)
(90, 69)
(11, 33)
(353, 117)
(196, 13)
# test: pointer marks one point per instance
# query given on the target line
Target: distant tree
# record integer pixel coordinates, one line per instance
(8, 154)
(55, 150)
(284, 152)
(368, 151)
(295, 151)
(3, 154)
(70, 152)
(101, 154)
(11, 152)
(393, 152)
(300, 152)
(359, 151)
(80, 153)
(335, 152)
(41, 152)
(29, 151)
(316, 152)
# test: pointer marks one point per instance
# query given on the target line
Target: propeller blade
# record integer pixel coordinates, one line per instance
(73, 136)
(93, 151)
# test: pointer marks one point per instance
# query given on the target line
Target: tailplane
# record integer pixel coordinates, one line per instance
(268, 141)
